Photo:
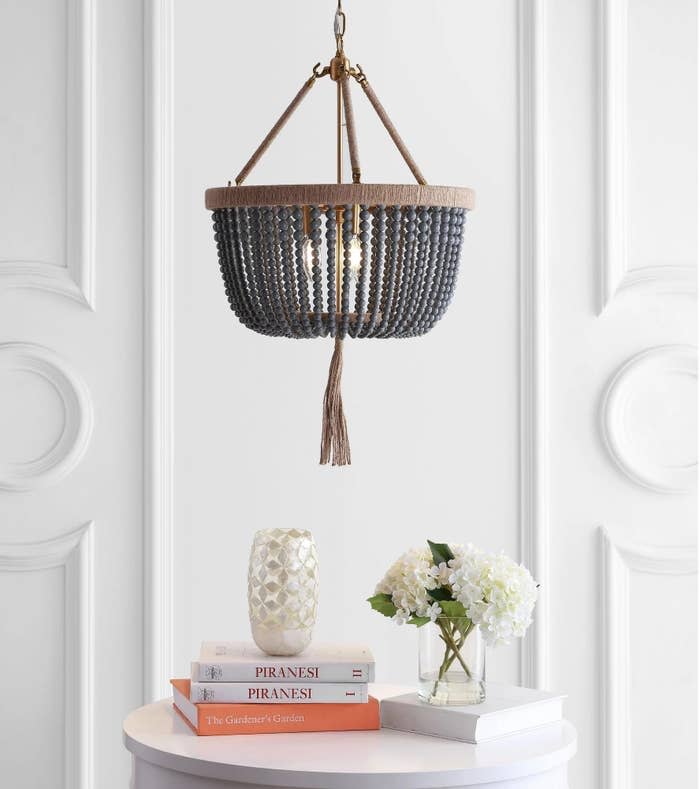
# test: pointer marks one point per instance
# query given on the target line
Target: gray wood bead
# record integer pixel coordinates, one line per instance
(409, 259)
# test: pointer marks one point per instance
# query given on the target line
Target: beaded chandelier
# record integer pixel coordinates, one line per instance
(339, 260)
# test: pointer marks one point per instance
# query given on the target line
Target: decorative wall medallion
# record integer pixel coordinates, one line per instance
(649, 418)
(36, 380)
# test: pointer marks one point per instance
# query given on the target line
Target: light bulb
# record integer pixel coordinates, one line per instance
(355, 257)
(307, 256)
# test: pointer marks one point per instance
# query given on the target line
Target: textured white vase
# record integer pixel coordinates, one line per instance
(282, 590)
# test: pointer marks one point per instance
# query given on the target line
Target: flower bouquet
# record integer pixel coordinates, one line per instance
(468, 598)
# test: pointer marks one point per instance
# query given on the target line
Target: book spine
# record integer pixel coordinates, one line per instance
(213, 719)
(278, 693)
(433, 721)
(205, 671)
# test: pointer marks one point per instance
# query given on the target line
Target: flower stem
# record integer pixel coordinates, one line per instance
(454, 647)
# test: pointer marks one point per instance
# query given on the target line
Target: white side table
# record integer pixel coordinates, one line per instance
(168, 755)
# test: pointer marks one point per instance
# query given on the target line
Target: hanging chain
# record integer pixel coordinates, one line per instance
(339, 65)
(339, 28)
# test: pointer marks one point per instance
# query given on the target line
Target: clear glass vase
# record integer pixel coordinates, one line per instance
(451, 662)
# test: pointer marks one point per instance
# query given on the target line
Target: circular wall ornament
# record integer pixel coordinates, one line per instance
(45, 416)
(649, 418)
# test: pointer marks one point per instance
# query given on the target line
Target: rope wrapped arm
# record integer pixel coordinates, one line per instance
(351, 130)
(389, 126)
(275, 130)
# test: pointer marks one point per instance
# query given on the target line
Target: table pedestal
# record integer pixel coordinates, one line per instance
(150, 776)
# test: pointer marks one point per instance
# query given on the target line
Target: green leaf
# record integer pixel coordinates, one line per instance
(440, 593)
(419, 621)
(441, 552)
(383, 604)
(452, 608)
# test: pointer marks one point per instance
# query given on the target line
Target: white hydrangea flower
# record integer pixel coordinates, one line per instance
(441, 573)
(497, 593)
(408, 581)
(465, 574)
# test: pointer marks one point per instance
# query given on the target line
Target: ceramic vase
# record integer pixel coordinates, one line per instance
(282, 590)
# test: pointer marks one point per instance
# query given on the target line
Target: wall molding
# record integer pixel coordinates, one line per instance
(618, 560)
(76, 279)
(75, 553)
(534, 436)
(66, 453)
(616, 274)
(158, 351)
(633, 377)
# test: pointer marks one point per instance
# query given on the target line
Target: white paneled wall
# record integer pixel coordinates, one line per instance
(52, 581)
(433, 421)
(259, 401)
(523, 434)
(649, 664)
(71, 228)
(622, 268)
(145, 435)
(49, 137)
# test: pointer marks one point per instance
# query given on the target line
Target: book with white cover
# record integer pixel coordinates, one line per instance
(506, 710)
(280, 692)
(241, 661)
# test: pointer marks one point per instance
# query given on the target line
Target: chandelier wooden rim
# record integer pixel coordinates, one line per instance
(339, 194)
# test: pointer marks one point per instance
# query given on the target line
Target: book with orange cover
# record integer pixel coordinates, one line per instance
(206, 718)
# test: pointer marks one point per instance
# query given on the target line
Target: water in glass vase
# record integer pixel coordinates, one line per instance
(451, 662)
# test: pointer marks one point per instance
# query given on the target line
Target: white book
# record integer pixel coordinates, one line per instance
(241, 661)
(279, 692)
(506, 710)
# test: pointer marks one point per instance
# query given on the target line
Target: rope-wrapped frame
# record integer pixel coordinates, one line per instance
(282, 281)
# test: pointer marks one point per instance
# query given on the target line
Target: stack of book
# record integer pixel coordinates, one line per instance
(237, 689)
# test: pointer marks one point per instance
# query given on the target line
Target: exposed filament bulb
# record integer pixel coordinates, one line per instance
(307, 256)
(355, 257)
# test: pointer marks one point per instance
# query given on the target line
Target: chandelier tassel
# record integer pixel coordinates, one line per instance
(335, 445)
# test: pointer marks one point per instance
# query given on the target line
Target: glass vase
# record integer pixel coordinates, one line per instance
(451, 662)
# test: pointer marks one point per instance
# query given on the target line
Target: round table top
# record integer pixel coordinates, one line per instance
(383, 759)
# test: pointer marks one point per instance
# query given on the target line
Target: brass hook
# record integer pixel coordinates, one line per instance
(359, 74)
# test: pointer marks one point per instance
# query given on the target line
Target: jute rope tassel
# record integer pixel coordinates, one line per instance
(335, 445)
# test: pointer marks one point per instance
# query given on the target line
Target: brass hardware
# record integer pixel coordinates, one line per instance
(339, 177)
(339, 133)
(339, 66)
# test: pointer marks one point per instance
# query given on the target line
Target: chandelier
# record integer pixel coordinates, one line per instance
(344, 260)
